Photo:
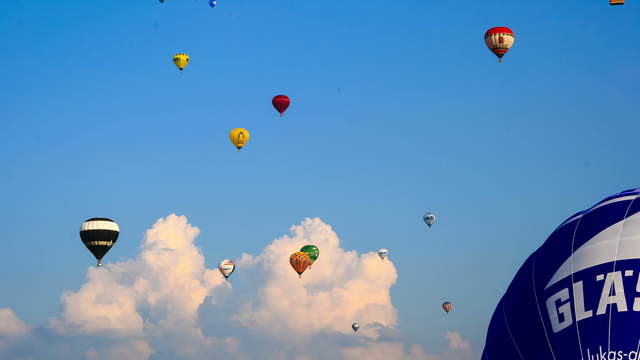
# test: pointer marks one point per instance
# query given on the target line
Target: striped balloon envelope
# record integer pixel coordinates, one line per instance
(99, 235)
(578, 295)
(499, 40)
(447, 306)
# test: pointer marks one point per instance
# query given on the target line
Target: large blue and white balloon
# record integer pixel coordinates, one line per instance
(212, 3)
(578, 295)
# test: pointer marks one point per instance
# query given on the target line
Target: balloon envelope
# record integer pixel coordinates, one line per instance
(577, 295)
(383, 253)
(429, 218)
(281, 103)
(181, 60)
(239, 137)
(447, 306)
(226, 268)
(499, 40)
(312, 251)
(299, 262)
(355, 326)
(99, 235)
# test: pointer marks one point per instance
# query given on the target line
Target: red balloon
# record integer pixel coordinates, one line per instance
(499, 40)
(281, 103)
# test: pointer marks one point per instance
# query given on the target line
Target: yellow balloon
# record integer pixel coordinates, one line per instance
(181, 60)
(239, 137)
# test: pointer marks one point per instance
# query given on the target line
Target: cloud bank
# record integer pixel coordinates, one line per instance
(166, 304)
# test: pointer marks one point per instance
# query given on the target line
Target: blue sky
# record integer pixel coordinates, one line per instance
(397, 109)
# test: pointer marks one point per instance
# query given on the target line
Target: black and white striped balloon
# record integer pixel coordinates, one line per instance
(99, 235)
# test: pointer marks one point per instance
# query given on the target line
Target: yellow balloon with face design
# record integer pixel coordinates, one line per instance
(239, 137)
(181, 60)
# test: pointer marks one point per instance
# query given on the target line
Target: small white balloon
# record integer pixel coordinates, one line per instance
(226, 268)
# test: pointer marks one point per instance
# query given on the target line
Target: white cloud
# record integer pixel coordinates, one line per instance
(157, 294)
(385, 351)
(341, 288)
(155, 306)
(10, 325)
(12, 329)
(133, 350)
(459, 349)
(456, 341)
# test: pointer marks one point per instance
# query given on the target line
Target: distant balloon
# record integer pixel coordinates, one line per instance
(447, 306)
(99, 235)
(312, 251)
(616, 2)
(355, 326)
(281, 103)
(181, 60)
(383, 253)
(239, 137)
(161, 1)
(429, 218)
(226, 268)
(499, 40)
(213, 3)
(299, 262)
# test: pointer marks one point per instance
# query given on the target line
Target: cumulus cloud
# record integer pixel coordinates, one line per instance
(130, 350)
(459, 349)
(342, 287)
(155, 306)
(456, 341)
(159, 293)
(11, 328)
(10, 325)
(386, 350)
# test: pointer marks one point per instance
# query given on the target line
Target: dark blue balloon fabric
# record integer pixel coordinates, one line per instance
(578, 295)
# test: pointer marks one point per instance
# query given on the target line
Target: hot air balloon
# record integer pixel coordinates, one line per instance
(499, 40)
(239, 137)
(383, 253)
(299, 262)
(616, 2)
(429, 218)
(213, 3)
(312, 251)
(281, 103)
(355, 326)
(226, 268)
(447, 306)
(99, 235)
(181, 60)
(576, 296)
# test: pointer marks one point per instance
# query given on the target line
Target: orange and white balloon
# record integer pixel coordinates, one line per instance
(499, 40)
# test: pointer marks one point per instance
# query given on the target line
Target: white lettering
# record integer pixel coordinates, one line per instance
(564, 310)
(636, 301)
(612, 293)
(578, 302)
